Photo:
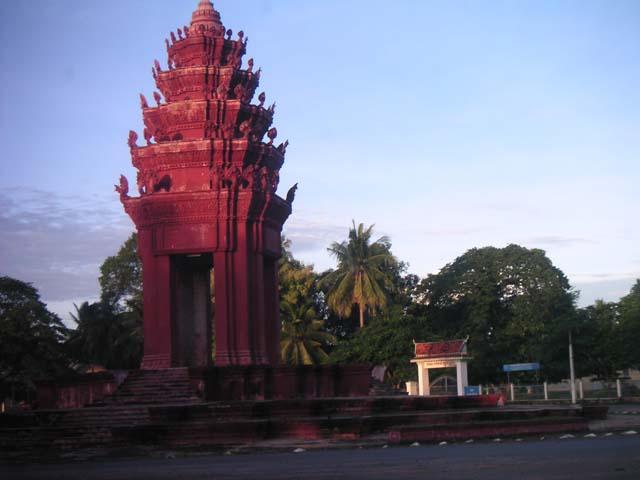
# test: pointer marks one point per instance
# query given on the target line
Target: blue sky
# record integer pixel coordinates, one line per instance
(448, 124)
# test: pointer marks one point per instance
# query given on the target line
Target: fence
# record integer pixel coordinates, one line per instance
(562, 391)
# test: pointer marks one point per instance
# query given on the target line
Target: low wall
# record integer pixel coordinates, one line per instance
(78, 391)
(281, 383)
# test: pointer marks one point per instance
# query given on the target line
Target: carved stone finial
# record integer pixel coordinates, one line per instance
(229, 33)
(245, 128)
(282, 148)
(186, 31)
(180, 34)
(157, 98)
(206, 19)
(167, 44)
(123, 188)
(148, 136)
(262, 98)
(291, 194)
(173, 37)
(143, 101)
(259, 73)
(272, 134)
(250, 65)
(222, 90)
(154, 73)
(133, 139)
(272, 108)
(157, 65)
(240, 35)
(239, 91)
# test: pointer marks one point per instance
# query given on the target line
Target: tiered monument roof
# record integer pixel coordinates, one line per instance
(202, 132)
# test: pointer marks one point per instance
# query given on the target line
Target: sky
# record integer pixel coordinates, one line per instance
(448, 124)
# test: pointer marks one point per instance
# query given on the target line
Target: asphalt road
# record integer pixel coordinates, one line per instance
(614, 457)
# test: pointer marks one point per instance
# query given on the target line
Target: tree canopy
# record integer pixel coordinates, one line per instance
(514, 305)
(304, 339)
(362, 277)
(109, 332)
(32, 339)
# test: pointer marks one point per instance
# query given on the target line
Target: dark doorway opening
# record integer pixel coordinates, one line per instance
(191, 309)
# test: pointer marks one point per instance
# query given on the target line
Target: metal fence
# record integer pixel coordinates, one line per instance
(614, 389)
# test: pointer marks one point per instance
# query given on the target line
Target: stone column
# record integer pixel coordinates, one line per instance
(156, 272)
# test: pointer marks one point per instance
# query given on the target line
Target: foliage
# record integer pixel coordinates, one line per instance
(32, 338)
(513, 304)
(597, 339)
(109, 332)
(304, 339)
(386, 340)
(629, 309)
(105, 337)
(121, 278)
(362, 277)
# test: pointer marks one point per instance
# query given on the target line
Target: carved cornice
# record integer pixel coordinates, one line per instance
(199, 119)
(206, 82)
(208, 208)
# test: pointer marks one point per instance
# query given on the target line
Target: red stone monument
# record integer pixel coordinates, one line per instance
(208, 214)
(208, 217)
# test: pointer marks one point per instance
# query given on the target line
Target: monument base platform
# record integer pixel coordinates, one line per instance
(221, 425)
(210, 384)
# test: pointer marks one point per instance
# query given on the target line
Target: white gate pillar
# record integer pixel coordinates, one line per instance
(461, 377)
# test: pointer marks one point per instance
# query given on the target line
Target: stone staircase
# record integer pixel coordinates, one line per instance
(226, 424)
(149, 387)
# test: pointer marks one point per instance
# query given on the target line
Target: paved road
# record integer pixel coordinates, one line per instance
(615, 457)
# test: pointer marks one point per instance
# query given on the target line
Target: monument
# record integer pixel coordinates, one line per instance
(209, 222)
(207, 213)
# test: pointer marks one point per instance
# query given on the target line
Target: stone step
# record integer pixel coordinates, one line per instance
(232, 423)
(489, 429)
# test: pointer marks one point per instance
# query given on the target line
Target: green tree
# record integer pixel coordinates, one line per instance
(109, 332)
(362, 276)
(121, 278)
(513, 304)
(598, 340)
(105, 337)
(386, 340)
(303, 340)
(31, 339)
(629, 308)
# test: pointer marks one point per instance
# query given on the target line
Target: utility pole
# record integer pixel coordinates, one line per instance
(572, 371)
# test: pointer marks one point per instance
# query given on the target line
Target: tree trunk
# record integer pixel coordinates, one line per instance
(361, 316)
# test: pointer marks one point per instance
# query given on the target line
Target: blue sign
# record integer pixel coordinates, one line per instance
(521, 367)
(469, 391)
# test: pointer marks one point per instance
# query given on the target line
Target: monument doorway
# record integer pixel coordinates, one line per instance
(191, 310)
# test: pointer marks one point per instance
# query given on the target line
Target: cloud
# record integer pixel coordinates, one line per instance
(58, 242)
(585, 278)
(559, 241)
(455, 231)
(315, 234)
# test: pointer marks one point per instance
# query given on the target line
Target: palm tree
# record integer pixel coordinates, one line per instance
(303, 337)
(106, 338)
(362, 274)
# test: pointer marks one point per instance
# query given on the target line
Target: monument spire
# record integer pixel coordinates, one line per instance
(207, 181)
(206, 19)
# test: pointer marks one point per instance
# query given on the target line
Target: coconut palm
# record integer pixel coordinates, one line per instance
(303, 339)
(363, 275)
